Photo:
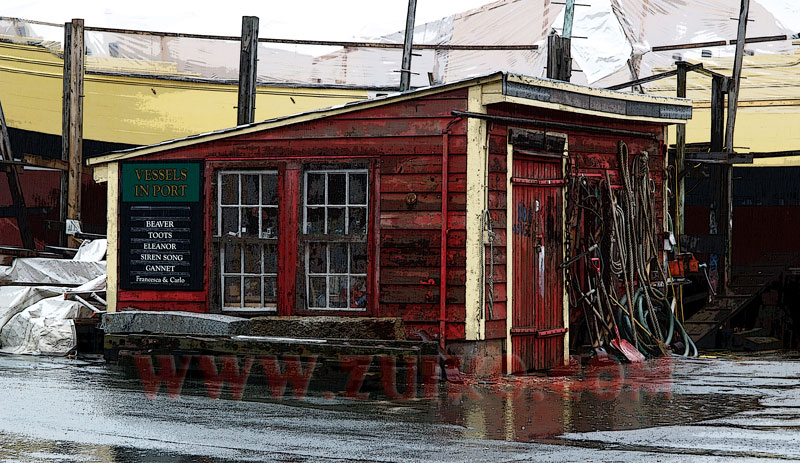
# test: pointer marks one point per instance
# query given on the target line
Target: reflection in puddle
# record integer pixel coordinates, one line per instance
(606, 398)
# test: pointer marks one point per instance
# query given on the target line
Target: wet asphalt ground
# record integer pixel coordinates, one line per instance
(725, 409)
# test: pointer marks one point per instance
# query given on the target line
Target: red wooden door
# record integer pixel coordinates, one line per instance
(537, 329)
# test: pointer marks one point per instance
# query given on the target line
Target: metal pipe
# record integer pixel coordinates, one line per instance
(443, 243)
(654, 77)
(556, 125)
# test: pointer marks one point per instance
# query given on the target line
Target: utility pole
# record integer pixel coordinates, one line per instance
(569, 14)
(727, 171)
(72, 124)
(405, 67)
(559, 48)
(248, 71)
(559, 58)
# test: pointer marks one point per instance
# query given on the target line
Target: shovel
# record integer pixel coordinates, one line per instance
(622, 345)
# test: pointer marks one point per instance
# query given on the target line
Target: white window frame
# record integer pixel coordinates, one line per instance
(265, 306)
(306, 245)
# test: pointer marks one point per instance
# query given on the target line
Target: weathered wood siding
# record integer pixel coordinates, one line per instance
(404, 143)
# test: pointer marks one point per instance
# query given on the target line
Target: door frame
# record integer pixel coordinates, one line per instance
(510, 242)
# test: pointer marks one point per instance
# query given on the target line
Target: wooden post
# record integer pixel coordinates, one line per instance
(680, 153)
(15, 186)
(727, 171)
(405, 67)
(248, 67)
(719, 87)
(72, 121)
(559, 58)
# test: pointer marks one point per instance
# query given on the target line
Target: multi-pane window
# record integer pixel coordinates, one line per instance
(248, 227)
(335, 218)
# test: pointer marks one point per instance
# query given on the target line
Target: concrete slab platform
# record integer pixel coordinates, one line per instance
(329, 327)
(174, 323)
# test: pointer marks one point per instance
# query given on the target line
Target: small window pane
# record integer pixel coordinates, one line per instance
(316, 220)
(252, 258)
(337, 296)
(337, 188)
(338, 257)
(317, 258)
(358, 221)
(250, 221)
(271, 258)
(269, 189)
(269, 222)
(316, 189)
(230, 220)
(232, 291)
(252, 291)
(233, 258)
(270, 289)
(336, 221)
(358, 258)
(317, 291)
(358, 292)
(250, 191)
(358, 188)
(230, 189)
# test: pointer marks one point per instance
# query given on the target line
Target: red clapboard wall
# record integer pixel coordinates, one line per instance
(403, 144)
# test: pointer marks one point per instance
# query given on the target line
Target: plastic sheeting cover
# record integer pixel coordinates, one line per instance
(620, 34)
(37, 319)
(46, 327)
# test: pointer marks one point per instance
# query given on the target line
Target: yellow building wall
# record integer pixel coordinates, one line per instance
(138, 110)
(768, 110)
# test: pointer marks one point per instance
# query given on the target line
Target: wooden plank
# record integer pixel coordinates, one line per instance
(417, 293)
(423, 312)
(411, 183)
(49, 163)
(430, 164)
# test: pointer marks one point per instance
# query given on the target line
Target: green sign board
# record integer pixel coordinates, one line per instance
(161, 182)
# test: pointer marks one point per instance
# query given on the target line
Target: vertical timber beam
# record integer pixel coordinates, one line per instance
(680, 153)
(719, 86)
(405, 67)
(509, 252)
(72, 122)
(476, 173)
(559, 58)
(112, 234)
(248, 66)
(727, 176)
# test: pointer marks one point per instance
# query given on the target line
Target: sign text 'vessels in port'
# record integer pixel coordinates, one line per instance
(161, 234)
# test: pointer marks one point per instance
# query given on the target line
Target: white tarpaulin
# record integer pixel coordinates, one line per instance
(43, 328)
(85, 266)
(38, 319)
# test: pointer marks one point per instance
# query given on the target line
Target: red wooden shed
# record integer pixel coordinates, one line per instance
(443, 206)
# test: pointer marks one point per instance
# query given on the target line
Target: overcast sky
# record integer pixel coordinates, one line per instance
(298, 19)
